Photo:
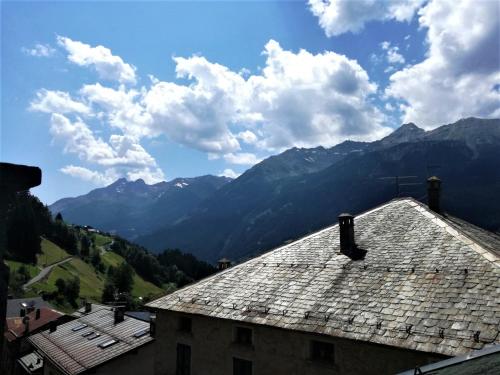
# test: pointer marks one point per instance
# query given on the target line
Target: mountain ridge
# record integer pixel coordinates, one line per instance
(253, 212)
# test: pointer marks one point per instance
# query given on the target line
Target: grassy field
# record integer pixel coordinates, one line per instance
(141, 287)
(92, 282)
(14, 266)
(51, 253)
(101, 240)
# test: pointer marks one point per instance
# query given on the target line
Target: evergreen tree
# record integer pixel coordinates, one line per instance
(123, 278)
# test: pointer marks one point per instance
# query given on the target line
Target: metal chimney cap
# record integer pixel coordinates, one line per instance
(346, 215)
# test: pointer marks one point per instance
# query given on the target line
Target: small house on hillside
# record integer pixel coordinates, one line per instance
(399, 286)
(101, 341)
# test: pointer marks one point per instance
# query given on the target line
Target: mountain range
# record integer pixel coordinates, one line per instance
(302, 190)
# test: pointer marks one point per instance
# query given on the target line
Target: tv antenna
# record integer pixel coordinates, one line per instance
(400, 182)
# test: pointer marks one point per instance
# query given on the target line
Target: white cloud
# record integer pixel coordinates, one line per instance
(247, 136)
(85, 174)
(457, 77)
(340, 16)
(229, 173)
(393, 55)
(242, 158)
(107, 65)
(49, 101)
(39, 50)
(297, 99)
(122, 156)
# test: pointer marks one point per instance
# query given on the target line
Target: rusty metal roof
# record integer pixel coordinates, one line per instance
(425, 284)
(16, 327)
(77, 351)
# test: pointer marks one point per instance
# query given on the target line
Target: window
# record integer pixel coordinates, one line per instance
(93, 335)
(141, 333)
(185, 324)
(242, 367)
(107, 344)
(322, 351)
(183, 360)
(243, 336)
(79, 327)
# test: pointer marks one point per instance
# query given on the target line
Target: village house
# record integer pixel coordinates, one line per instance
(101, 341)
(28, 321)
(399, 286)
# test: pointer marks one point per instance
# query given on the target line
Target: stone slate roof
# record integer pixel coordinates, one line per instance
(74, 353)
(423, 285)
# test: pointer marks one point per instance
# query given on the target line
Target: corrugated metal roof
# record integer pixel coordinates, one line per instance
(16, 327)
(75, 353)
(423, 285)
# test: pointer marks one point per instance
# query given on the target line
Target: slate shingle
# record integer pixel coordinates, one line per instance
(431, 281)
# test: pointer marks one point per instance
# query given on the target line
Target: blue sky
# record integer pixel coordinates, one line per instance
(96, 91)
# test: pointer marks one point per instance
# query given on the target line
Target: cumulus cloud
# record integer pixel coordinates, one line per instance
(247, 137)
(393, 55)
(229, 173)
(340, 16)
(85, 174)
(39, 50)
(107, 65)
(50, 101)
(297, 99)
(458, 76)
(123, 155)
(242, 158)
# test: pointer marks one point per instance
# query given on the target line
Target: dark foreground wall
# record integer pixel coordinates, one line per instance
(274, 351)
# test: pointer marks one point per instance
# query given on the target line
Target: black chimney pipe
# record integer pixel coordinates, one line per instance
(434, 194)
(346, 227)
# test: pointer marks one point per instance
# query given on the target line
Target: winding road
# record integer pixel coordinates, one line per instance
(45, 272)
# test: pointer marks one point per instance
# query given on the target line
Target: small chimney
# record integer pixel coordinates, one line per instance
(434, 193)
(223, 264)
(88, 307)
(119, 315)
(348, 245)
(26, 322)
(346, 228)
(37, 314)
(53, 326)
(152, 326)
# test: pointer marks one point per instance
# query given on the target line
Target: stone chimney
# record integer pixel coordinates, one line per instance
(434, 193)
(37, 314)
(119, 315)
(223, 263)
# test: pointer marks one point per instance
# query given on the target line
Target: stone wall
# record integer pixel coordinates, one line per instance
(274, 351)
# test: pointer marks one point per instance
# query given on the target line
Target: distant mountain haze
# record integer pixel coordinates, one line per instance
(302, 190)
(132, 208)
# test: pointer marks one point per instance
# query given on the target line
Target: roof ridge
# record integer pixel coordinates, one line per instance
(458, 233)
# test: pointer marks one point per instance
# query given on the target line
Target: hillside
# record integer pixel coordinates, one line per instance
(66, 264)
(92, 281)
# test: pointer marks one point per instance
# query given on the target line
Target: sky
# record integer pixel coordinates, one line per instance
(95, 91)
